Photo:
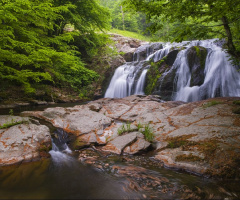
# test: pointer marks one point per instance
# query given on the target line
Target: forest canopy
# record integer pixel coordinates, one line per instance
(191, 19)
(36, 48)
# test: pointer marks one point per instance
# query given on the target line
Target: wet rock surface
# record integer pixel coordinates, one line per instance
(22, 140)
(200, 137)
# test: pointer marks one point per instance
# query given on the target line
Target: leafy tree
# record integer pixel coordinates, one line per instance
(34, 48)
(195, 18)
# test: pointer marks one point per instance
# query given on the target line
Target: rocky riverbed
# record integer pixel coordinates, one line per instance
(200, 137)
(135, 137)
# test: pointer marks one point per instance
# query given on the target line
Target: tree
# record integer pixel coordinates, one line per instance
(34, 48)
(194, 16)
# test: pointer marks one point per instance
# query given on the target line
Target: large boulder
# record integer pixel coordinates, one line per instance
(23, 141)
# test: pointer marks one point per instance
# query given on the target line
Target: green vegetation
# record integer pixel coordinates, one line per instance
(12, 122)
(211, 103)
(148, 133)
(122, 19)
(37, 49)
(188, 20)
(125, 129)
(180, 141)
(146, 130)
(188, 158)
(131, 34)
(153, 76)
(236, 103)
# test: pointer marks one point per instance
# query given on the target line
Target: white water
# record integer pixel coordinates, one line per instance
(140, 84)
(60, 150)
(221, 78)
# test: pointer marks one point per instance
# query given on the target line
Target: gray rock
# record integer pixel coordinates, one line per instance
(119, 143)
(22, 142)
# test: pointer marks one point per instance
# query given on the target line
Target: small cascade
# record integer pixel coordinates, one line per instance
(141, 82)
(60, 150)
(158, 55)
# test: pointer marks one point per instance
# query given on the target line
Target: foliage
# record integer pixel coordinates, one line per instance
(131, 34)
(193, 20)
(122, 19)
(34, 48)
(146, 130)
(148, 133)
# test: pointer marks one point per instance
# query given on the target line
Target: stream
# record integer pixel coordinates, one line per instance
(98, 175)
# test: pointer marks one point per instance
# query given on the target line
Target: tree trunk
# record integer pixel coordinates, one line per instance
(230, 44)
(123, 18)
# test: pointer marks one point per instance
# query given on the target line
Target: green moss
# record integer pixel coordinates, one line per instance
(180, 141)
(236, 102)
(201, 54)
(188, 158)
(10, 124)
(236, 111)
(153, 75)
(210, 103)
(45, 148)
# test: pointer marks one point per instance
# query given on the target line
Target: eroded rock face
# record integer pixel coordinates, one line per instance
(202, 137)
(22, 142)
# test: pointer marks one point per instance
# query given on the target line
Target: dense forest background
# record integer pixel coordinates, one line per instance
(56, 46)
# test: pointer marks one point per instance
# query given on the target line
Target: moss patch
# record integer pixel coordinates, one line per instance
(180, 141)
(153, 75)
(188, 158)
(211, 103)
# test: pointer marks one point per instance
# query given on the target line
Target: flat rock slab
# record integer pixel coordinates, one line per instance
(23, 142)
(119, 143)
(136, 147)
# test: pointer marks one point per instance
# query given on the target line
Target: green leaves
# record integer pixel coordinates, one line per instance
(190, 19)
(34, 48)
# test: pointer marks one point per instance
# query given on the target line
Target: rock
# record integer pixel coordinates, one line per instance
(126, 45)
(119, 143)
(160, 77)
(36, 102)
(202, 137)
(136, 147)
(196, 57)
(169, 156)
(23, 142)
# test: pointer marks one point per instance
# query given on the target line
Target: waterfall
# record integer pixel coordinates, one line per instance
(140, 84)
(220, 77)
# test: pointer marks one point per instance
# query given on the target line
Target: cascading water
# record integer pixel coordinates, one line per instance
(60, 150)
(140, 84)
(220, 77)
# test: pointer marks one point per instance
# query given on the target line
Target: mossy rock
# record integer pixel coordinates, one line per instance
(196, 57)
(156, 83)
